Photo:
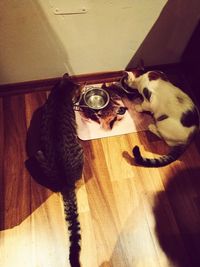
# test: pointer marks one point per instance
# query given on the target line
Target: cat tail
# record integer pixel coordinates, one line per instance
(71, 217)
(164, 160)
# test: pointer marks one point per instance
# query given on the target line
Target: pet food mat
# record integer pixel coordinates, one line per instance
(131, 121)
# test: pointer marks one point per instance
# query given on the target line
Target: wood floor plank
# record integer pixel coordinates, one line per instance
(113, 148)
(101, 201)
(129, 215)
(89, 251)
(2, 198)
(33, 102)
(16, 182)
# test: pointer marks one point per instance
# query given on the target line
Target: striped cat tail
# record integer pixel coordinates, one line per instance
(164, 160)
(71, 213)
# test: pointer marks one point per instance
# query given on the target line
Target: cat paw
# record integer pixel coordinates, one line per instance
(138, 108)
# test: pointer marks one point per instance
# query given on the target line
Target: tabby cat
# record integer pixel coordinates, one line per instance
(176, 117)
(61, 156)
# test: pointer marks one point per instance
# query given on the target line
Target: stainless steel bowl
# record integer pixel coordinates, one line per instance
(126, 88)
(96, 98)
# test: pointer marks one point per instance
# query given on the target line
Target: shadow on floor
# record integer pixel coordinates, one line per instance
(177, 226)
(20, 194)
(177, 216)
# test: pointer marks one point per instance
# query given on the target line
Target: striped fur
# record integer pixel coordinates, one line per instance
(61, 155)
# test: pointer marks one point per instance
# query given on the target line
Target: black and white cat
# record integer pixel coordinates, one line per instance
(176, 117)
(60, 157)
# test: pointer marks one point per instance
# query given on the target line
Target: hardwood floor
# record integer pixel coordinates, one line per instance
(130, 216)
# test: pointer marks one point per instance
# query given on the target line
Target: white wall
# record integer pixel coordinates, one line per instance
(28, 50)
(37, 44)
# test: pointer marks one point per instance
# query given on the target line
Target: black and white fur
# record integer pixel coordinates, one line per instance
(176, 117)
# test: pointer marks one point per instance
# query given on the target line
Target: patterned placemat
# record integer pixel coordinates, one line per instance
(111, 124)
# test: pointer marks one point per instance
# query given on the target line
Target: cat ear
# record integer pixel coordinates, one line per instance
(163, 76)
(104, 86)
(138, 70)
(125, 74)
(140, 65)
(66, 81)
(66, 76)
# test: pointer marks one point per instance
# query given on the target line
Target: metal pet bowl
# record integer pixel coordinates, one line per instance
(96, 98)
(126, 88)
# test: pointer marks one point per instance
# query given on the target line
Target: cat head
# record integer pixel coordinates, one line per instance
(73, 88)
(131, 78)
(137, 71)
(68, 81)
